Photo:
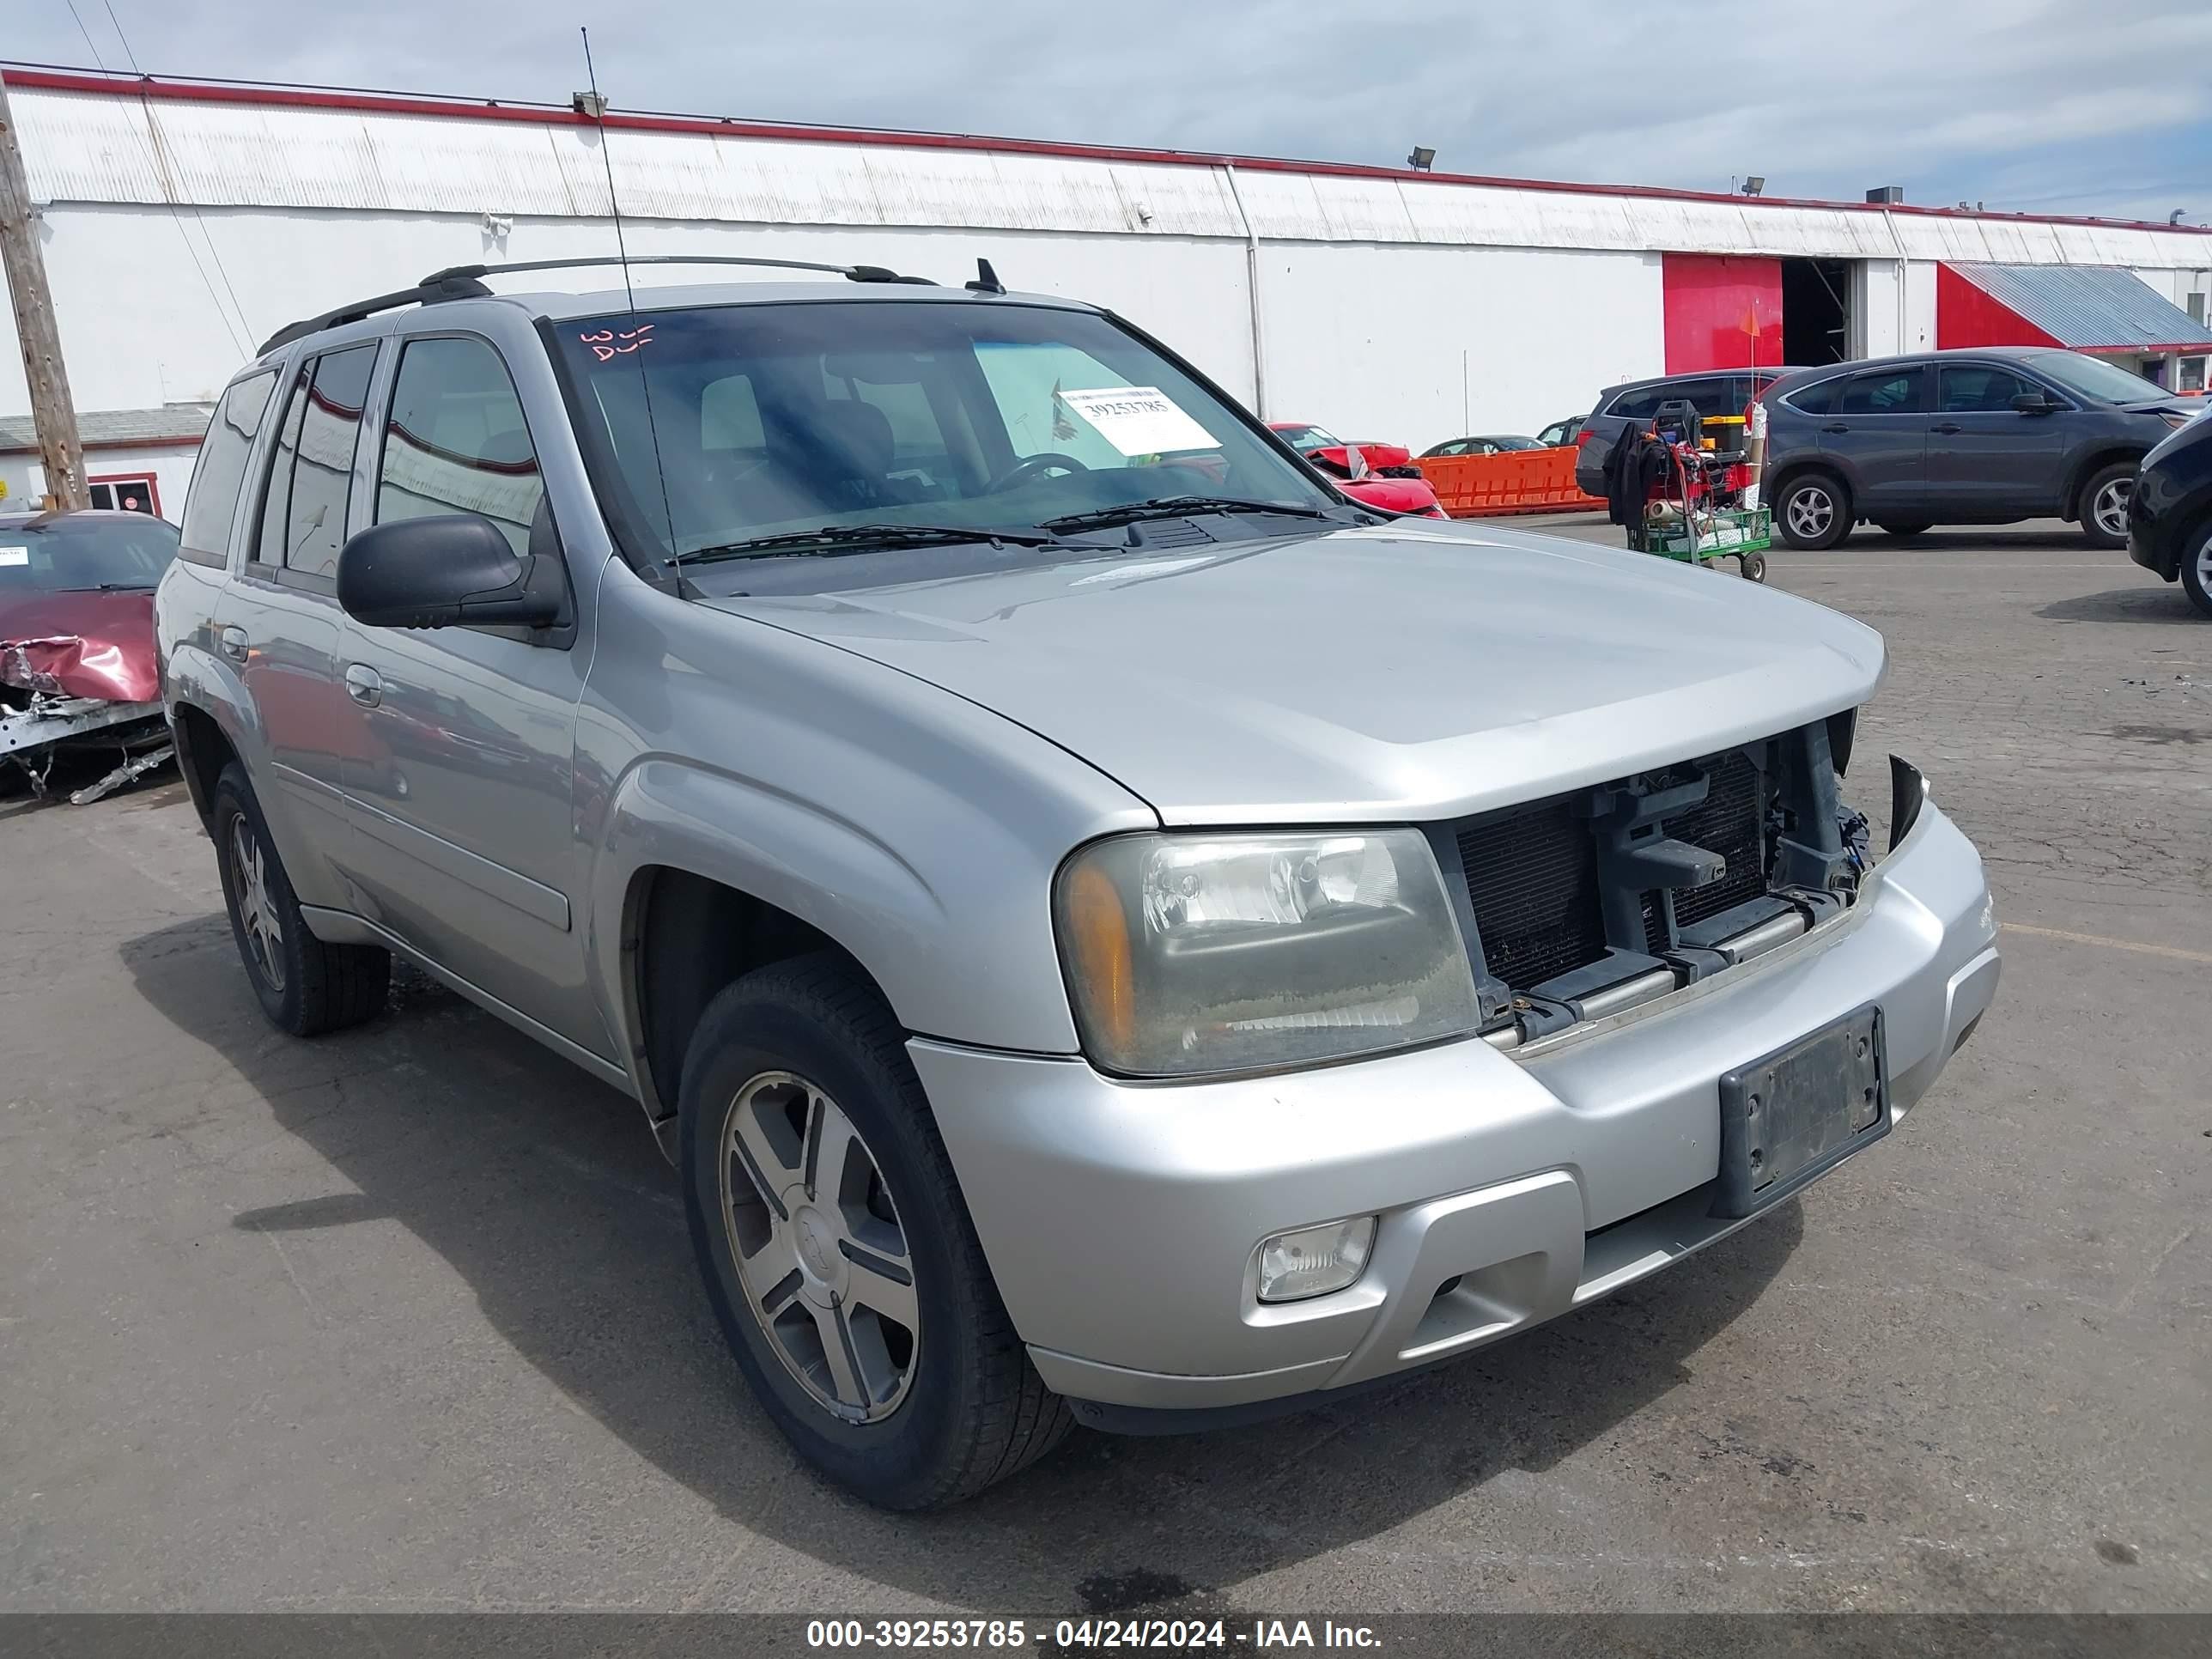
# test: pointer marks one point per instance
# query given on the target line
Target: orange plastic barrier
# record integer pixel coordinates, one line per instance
(1514, 481)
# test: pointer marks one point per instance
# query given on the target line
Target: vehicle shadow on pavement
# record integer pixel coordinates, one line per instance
(2166, 603)
(543, 1189)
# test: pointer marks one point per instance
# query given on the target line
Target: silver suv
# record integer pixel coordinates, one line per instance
(1110, 930)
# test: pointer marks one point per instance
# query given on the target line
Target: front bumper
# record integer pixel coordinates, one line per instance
(1121, 1220)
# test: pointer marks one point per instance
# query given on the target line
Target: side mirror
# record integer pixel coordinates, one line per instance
(449, 569)
(2034, 403)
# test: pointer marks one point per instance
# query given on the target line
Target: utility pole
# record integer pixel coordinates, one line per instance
(53, 412)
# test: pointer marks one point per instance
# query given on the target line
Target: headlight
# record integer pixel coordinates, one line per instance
(1189, 955)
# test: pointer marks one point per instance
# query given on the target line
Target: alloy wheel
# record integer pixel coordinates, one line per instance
(819, 1246)
(2110, 509)
(2204, 563)
(256, 910)
(1811, 510)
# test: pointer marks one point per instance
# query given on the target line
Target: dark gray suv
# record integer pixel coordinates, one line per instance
(1633, 403)
(1986, 436)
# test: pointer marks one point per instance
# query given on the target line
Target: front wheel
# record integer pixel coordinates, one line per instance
(1754, 567)
(2104, 500)
(1813, 512)
(838, 1255)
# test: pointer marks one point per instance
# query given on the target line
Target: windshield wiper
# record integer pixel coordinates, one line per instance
(108, 587)
(860, 537)
(1173, 507)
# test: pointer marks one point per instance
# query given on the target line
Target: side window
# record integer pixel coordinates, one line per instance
(322, 474)
(268, 547)
(455, 440)
(1977, 389)
(1819, 398)
(1641, 404)
(1713, 396)
(212, 505)
(1887, 391)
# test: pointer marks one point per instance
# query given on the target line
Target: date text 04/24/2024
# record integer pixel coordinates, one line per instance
(1087, 1634)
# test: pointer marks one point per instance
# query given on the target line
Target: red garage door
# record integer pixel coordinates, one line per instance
(1713, 304)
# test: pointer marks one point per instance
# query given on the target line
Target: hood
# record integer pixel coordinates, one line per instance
(1401, 671)
(80, 644)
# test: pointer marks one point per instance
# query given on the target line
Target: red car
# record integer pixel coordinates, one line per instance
(1380, 475)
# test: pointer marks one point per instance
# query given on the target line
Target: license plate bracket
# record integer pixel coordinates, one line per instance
(1789, 1117)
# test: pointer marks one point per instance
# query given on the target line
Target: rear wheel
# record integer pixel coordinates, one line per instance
(1813, 512)
(2104, 500)
(838, 1255)
(303, 986)
(2197, 567)
(1905, 529)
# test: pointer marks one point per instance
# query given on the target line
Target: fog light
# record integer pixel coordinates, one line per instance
(1315, 1261)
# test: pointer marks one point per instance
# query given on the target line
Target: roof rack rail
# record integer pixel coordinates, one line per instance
(444, 286)
(466, 283)
(850, 273)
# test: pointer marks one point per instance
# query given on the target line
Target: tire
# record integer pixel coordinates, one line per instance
(1814, 512)
(303, 986)
(2197, 567)
(1753, 567)
(1905, 529)
(2104, 504)
(810, 1043)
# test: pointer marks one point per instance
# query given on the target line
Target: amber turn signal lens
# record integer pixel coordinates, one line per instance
(1098, 941)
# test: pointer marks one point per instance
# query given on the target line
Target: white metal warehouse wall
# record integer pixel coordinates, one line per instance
(1371, 286)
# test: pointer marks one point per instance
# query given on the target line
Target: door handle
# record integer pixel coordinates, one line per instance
(1835, 426)
(1947, 427)
(235, 646)
(364, 684)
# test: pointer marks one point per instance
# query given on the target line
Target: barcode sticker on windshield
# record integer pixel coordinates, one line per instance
(1140, 420)
(15, 556)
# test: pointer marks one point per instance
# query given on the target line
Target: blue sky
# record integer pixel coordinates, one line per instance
(2041, 106)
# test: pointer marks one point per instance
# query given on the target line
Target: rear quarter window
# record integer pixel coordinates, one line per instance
(212, 506)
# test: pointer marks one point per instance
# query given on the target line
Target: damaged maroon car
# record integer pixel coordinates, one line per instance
(76, 642)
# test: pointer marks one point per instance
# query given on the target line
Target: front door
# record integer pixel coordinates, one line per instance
(1985, 458)
(1877, 435)
(460, 796)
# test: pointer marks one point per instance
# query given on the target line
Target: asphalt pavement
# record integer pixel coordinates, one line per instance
(406, 1319)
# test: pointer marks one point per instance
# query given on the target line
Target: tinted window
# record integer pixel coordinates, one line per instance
(1819, 398)
(1977, 389)
(213, 503)
(456, 441)
(75, 553)
(1639, 404)
(1887, 391)
(1708, 396)
(277, 495)
(322, 476)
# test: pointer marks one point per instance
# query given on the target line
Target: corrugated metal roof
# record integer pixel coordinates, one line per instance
(88, 139)
(2089, 307)
(172, 423)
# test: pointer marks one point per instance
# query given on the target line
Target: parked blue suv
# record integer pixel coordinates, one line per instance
(1988, 435)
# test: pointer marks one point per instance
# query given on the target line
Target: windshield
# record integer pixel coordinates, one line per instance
(769, 420)
(70, 553)
(1307, 439)
(2091, 377)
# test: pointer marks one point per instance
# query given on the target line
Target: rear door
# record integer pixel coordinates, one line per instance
(1985, 458)
(282, 615)
(1877, 438)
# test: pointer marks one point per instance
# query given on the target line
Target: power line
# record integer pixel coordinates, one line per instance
(163, 171)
